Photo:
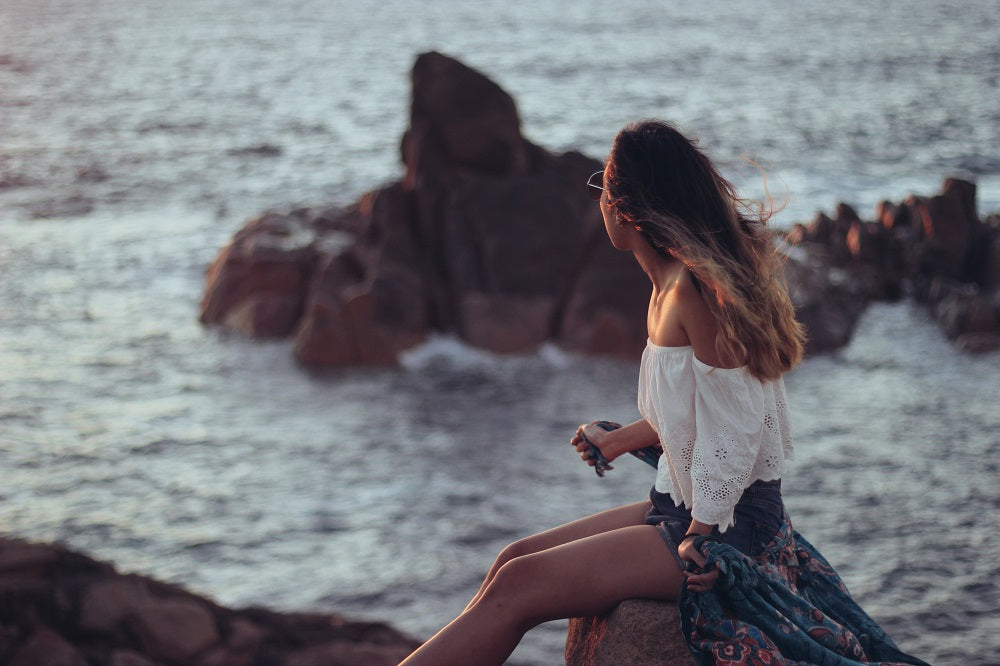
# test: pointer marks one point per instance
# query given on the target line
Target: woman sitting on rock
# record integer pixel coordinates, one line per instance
(722, 332)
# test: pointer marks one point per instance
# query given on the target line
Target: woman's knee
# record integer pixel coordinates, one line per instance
(510, 591)
(512, 551)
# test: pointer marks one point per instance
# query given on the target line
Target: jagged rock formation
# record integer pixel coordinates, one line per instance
(61, 607)
(487, 236)
(935, 249)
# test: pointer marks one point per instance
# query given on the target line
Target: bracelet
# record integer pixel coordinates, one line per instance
(704, 538)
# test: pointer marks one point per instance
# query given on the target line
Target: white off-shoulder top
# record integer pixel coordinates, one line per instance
(720, 429)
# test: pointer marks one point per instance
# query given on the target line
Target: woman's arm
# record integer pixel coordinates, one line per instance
(702, 330)
(615, 443)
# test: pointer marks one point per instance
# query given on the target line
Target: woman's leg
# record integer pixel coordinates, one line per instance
(587, 576)
(605, 521)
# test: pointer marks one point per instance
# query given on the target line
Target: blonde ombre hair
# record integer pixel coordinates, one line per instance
(661, 184)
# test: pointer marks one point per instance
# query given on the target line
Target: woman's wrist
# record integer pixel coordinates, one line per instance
(695, 535)
(612, 444)
(697, 540)
(696, 529)
(631, 437)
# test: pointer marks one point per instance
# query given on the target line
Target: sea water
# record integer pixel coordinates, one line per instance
(136, 137)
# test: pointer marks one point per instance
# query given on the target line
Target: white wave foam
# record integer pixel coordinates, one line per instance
(448, 350)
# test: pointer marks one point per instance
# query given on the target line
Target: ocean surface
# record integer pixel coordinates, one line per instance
(136, 137)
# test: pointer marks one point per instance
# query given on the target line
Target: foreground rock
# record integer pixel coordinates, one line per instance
(61, 607)
(638, 632)
(492, 239)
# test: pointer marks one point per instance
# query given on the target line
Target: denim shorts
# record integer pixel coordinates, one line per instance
(758, 516)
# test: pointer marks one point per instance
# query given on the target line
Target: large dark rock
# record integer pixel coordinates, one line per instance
(487, 237)
(61, 607)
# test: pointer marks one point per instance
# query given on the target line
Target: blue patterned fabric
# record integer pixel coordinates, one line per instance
(785, 607)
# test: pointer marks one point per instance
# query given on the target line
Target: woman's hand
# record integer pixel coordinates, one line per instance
(596, 435)
(698, 580)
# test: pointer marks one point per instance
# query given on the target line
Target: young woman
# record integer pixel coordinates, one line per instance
(722, 331)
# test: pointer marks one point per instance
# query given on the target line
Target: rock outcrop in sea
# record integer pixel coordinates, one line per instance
(491, 238)
(487, 237)
(61, 607)
(935, 250)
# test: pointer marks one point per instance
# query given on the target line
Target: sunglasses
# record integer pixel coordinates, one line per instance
(595, 185)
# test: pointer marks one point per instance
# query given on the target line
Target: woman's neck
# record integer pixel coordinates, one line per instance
(661, 271)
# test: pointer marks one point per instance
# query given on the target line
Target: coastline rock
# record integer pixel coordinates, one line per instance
(638, 632)
(933, 248)
(61, 607)
(950, 227)
(491, 238)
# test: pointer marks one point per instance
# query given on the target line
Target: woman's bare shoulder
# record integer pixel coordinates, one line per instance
(697, 320)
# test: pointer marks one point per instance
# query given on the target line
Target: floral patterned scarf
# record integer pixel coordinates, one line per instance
(785, 607)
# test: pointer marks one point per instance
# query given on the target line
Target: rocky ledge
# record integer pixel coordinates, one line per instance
(492, 239)
(61, 607)
(637, 632)
(934, 249)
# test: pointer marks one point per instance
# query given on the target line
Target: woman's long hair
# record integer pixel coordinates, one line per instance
(663, 185)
